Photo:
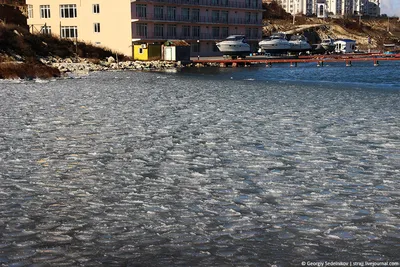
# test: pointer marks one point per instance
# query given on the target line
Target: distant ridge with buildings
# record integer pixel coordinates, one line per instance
(330, 8)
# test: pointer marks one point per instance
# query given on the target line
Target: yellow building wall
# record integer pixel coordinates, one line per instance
(150, 52)
(114, 18)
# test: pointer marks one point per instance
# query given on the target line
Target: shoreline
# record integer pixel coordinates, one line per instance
(55, 67)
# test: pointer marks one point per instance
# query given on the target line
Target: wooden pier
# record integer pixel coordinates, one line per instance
(319, 60)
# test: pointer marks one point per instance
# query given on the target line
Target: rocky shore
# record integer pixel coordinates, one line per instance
(84, 65)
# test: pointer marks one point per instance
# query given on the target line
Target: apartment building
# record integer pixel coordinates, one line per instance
(340, 7)
(306, 7)
(119, 24)
(199, 22)
(100, 22)
(331, 7)
(370, 7)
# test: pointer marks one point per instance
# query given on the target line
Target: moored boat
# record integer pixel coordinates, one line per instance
(234, 46)
(299, 43)
(275, 44)
(328, 44)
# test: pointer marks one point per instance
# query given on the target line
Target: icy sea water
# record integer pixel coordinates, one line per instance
(208, 167)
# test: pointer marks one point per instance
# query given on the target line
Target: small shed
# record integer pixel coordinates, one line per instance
(345, 46)
(176, 50)
(146, 51)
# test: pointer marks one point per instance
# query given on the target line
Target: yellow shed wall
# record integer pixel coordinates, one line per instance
(140, 56)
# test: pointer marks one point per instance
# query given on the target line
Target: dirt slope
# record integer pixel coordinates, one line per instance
(380, 30)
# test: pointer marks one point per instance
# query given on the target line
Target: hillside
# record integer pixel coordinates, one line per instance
(21, 52)
(276, 19)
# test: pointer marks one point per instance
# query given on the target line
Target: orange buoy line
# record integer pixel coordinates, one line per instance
(293, 61)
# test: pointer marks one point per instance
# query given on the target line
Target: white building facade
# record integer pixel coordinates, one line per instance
(294, 7)
(331, 7)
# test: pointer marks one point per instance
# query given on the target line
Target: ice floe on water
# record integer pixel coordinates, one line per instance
(150, 170)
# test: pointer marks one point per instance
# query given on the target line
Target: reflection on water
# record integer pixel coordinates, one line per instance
(151, 169)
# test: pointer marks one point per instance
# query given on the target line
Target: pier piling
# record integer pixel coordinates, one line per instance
(293, 62)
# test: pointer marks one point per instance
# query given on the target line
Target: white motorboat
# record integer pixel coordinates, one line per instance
(275, 44)
(234, 46)
(299, 43)
(328, 44)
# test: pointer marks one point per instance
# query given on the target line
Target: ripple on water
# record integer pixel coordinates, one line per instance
(119, 169)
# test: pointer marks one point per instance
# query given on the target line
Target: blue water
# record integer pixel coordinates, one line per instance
(359, 75)
(203, 167)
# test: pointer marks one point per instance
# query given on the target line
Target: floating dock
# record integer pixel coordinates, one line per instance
(319, 60)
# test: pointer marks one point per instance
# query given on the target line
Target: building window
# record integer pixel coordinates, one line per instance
(171, 13)
(159, 12)
(255, 33)
(248, 32)
(171, 31)
(69, 32)
(321, 10)
(215, 15)
(196, 31)
(195, 14)
(158, 30)
(45, 11)
(185, 31)
(96, 8)
(215, 32)
(141, 11)
(30, 11)
(224, 16)
(96, 27)
(195, 47)
(68, 11)
(45, 30)
(248, 17)
(248, 4)
(185, 14)
(224, 32)
(141, 29)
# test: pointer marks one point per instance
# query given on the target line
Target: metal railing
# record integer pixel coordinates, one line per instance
(217, 3)
(202, 37)
(199, 19)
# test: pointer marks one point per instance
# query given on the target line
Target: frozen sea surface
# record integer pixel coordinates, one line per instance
(231, 167)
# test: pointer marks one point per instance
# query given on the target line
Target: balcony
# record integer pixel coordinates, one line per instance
(197, 20)
(212, 3)
(202, 37)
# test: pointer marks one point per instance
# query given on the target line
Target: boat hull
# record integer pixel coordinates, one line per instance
(328, 48)
(274, 46)
(232, 49)
(300, 47)
(274, 50)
